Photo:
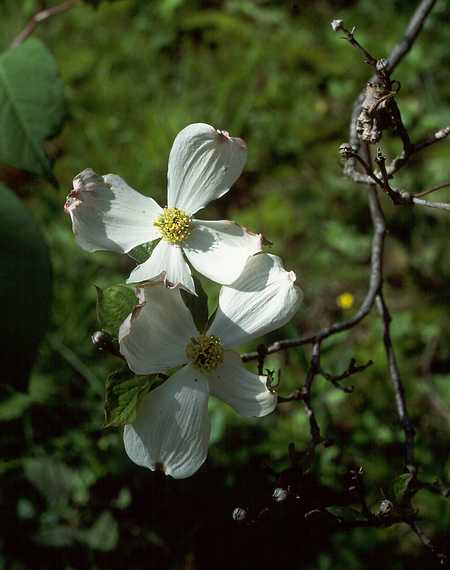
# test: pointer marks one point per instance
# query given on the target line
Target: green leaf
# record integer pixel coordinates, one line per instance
(58, 535)
(32, 105)
(114, 304)
(346, 514)
(25, 288)
(197, 304)
(142, 252)
(123, 392)
(402, 486)
(103, 534)
(14, 406)
(53, 478)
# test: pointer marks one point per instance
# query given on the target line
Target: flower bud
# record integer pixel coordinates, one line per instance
(382, 65)
(101, 340)
(337, 25)
(385, 507)
(280, 495)
(345, 150)
(239, 514)
(406, 196)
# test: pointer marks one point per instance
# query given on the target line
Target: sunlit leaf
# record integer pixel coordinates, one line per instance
(114, 304)
(32, 106)
(124, 390)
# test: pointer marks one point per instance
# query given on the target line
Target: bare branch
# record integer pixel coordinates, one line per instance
(349, 35)
(442, 559)
(437, 488)
(409, 37)
(374, 286)
(404, 156)
(433, 189)
(40, 16)
(352, 369)
(306, 394)
(428, 204)
(396, 380)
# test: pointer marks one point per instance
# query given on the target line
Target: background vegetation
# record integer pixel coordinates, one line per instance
(135, 73)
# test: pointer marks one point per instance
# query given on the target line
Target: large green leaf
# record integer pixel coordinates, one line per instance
(31, 106)
(25, 288)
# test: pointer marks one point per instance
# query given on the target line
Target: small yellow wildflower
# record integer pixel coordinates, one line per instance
(345, 301)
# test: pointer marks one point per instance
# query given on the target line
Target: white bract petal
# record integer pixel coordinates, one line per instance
(247, 393)
(166, 262)
(171, 430)
(219, 250)
(107, 214)
(263, 299)
(154, 337)
(203, 165)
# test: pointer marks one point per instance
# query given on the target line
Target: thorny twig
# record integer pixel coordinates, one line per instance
(40, 16)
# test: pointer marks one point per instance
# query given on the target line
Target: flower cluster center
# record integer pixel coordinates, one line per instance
(205, 352)
(174, 225)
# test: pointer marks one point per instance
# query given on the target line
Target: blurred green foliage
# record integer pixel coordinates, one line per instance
(272, 72)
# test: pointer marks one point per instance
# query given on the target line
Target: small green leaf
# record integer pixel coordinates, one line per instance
(103, 534)
(197, 304)
(346, 514)
(114, 304)
(124, 390)
(58, 535)
(142, 252)
(402, 486)
(55, 480)
(14, 406)
(32, 104)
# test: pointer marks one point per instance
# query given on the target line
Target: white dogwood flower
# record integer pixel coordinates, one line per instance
(204, 163)
(171, 429)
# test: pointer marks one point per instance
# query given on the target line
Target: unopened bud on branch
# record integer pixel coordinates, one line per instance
(337, 25)
(280, 495)
(239, 514)
(382, 65)
(101, 340)
(385, 507)
(345, 150)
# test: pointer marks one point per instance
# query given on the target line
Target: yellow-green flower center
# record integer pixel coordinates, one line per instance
(205, 352)
(174, 224)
